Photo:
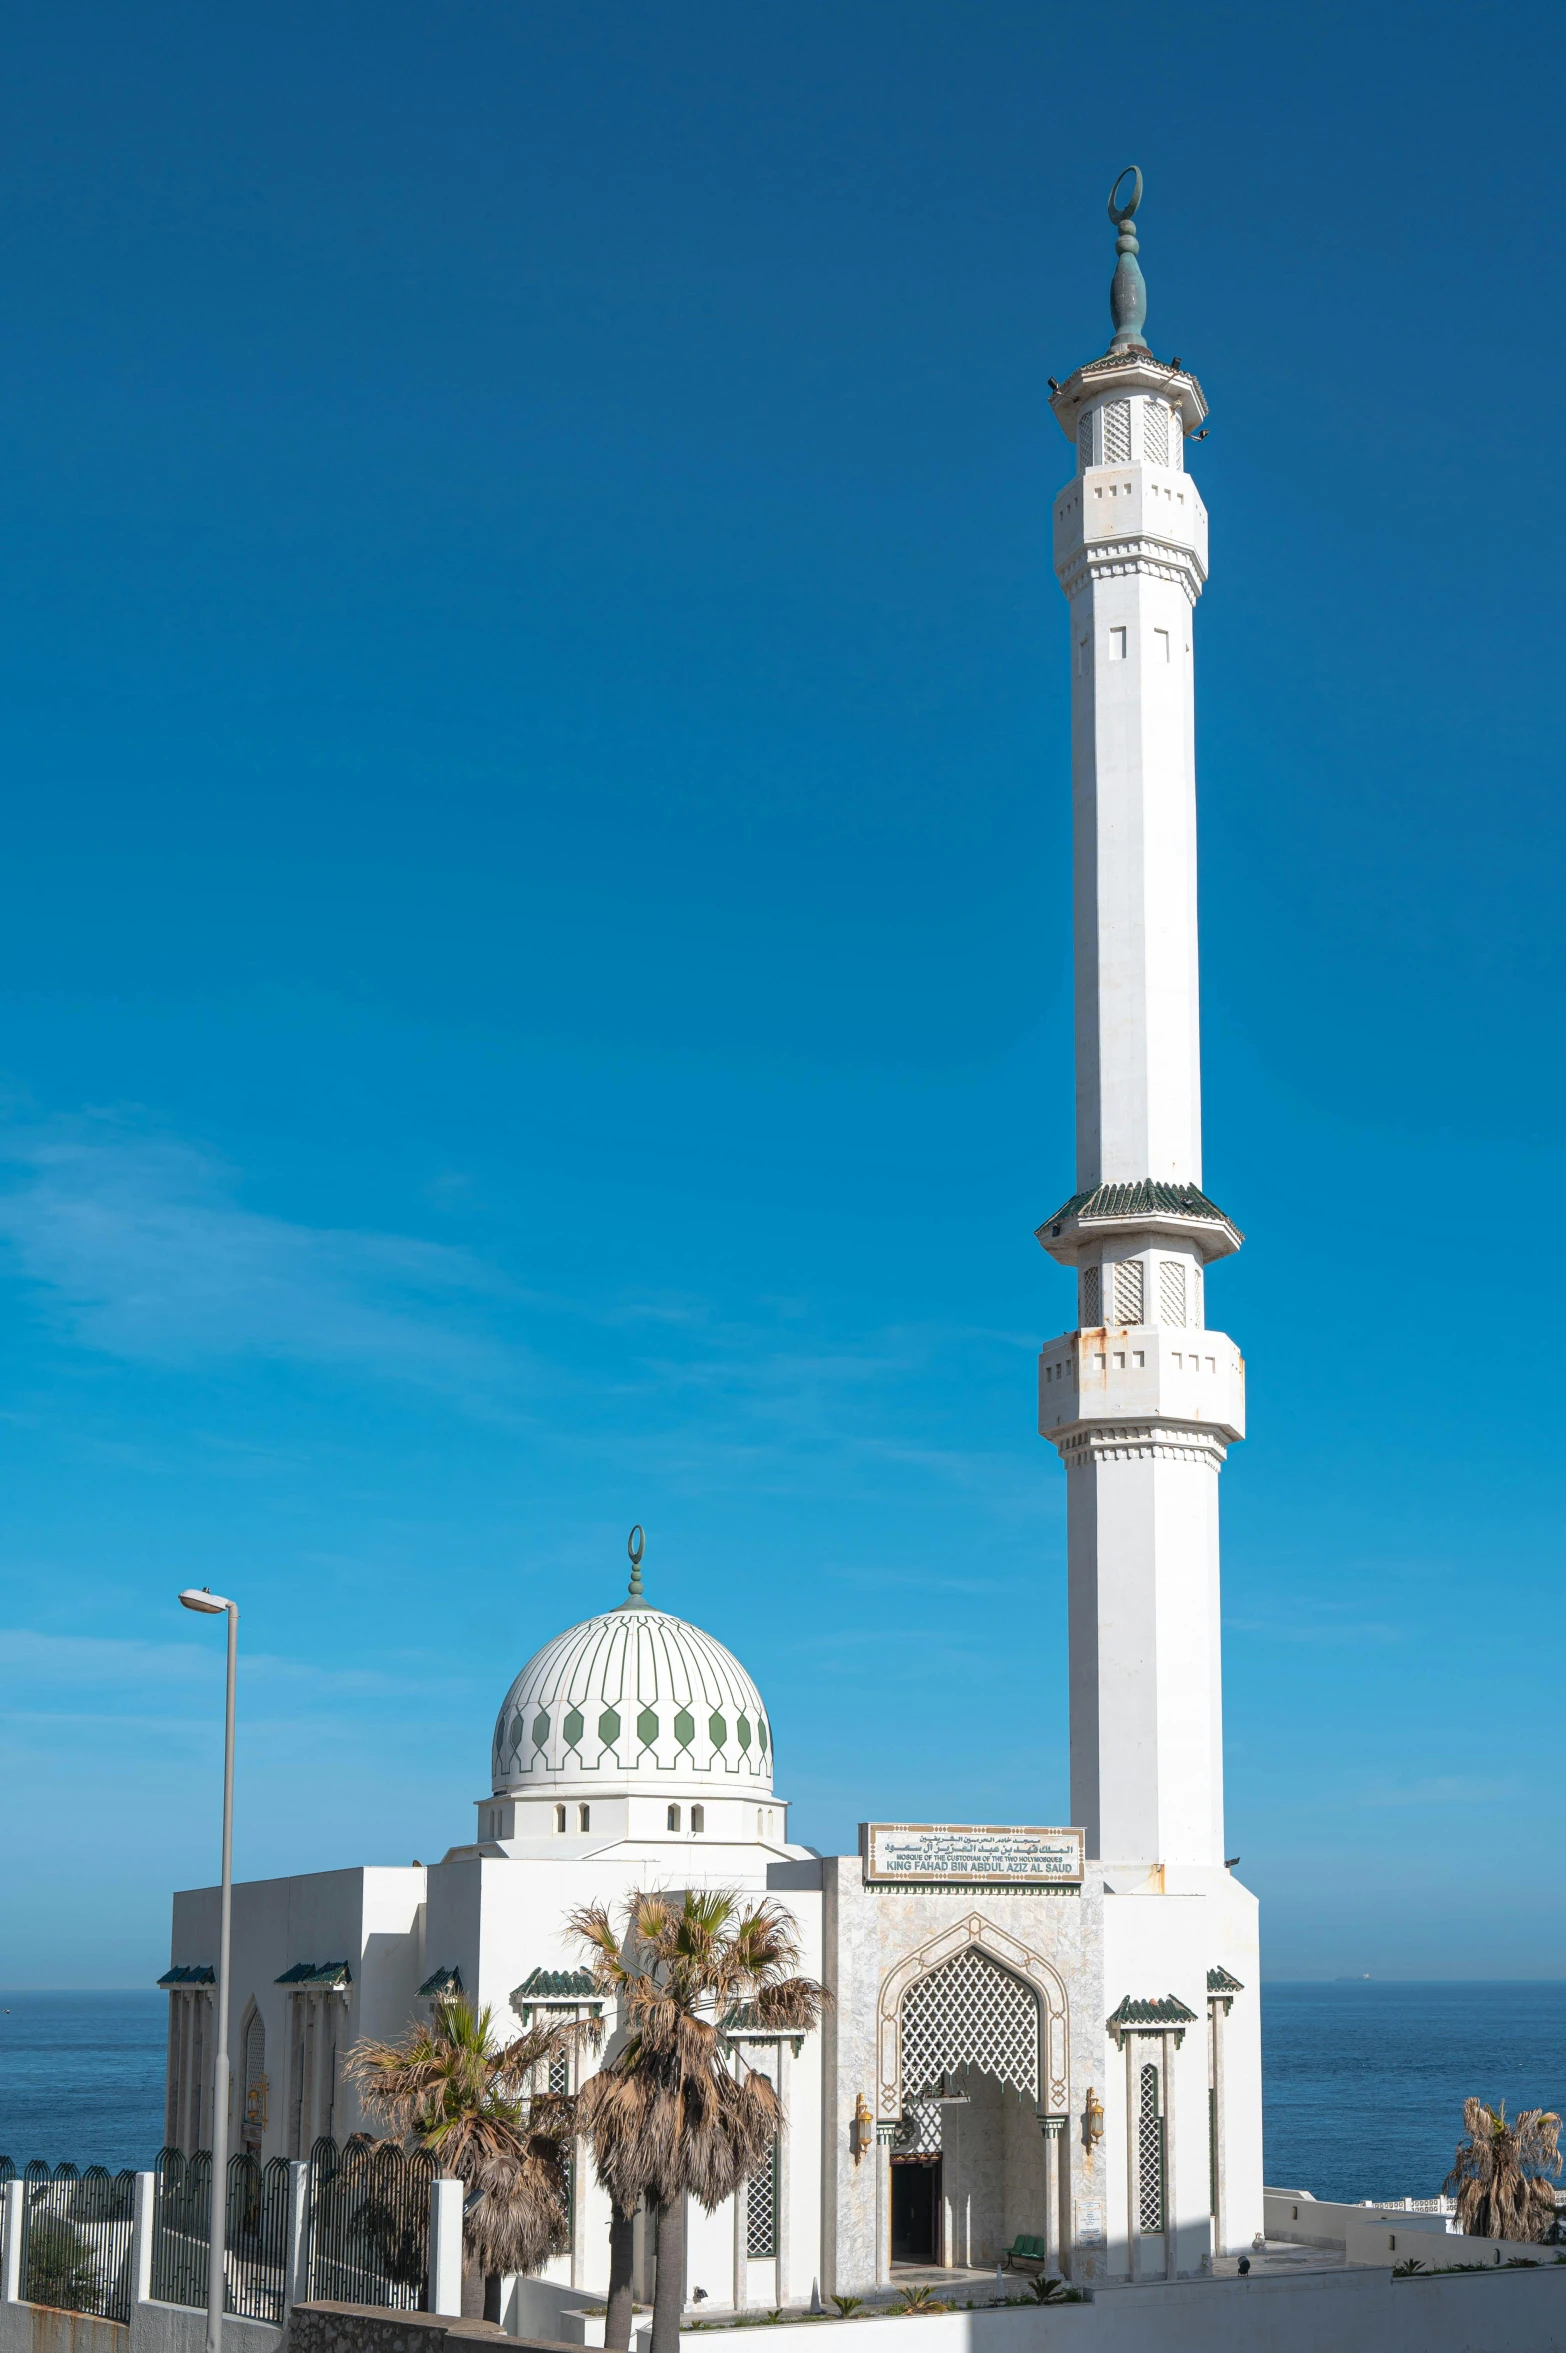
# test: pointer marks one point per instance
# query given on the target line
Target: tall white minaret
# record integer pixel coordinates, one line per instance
(1144, 1399)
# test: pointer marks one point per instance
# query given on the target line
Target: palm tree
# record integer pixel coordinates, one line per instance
(670, 2116)
(454, 2088)
(1500, 2172)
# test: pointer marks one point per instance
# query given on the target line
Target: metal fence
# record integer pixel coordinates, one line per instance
(77, 2231)
(255, 2233)
(365, 2221)
(369, 2224)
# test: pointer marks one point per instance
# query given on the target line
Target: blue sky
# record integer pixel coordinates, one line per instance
(534, 912)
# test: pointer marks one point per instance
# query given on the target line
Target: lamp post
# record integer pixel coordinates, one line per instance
(212, 1605)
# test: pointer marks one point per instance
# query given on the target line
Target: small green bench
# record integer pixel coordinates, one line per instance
(1026, 2254)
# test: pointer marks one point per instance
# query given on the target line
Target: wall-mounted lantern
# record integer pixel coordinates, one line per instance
(862, 2130)
(1093, 2118)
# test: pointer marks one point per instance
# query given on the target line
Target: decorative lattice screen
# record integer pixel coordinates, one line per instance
(918, 2132)
(1171, 1292)
(761, 2207)
(1117, 433)
(1150, 2155)
(1155, 433)
(970, 2013)
(1128, 1291)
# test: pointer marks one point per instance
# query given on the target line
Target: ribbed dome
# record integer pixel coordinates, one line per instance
(633, 1696)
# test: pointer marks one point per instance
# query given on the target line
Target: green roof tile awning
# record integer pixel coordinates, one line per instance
(200, 1973)
(1145, 1198)
(1220, 1982)
(442, 1986)
(317, 1977)
(744, 2023)
(558, 1989)
(1158, 2014)
(558, 1985)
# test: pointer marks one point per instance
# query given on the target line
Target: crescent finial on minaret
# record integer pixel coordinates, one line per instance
(1128, 287)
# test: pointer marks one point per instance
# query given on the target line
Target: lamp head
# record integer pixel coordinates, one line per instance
(202, 1597)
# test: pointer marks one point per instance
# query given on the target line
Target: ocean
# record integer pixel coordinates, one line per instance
(1364, 2082)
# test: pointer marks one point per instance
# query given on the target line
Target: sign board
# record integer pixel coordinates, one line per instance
(969, 1854)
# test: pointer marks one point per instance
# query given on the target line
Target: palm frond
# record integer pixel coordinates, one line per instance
(453, 2088)
(673, 2113)
(1501, 2172)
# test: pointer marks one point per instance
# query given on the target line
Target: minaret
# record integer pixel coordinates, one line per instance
(1143, 1400)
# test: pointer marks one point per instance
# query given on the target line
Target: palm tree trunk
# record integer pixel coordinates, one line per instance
(492, 2296)
(669, 2289)
(621, 2310)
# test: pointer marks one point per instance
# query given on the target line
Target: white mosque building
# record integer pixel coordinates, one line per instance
(1035, 2031)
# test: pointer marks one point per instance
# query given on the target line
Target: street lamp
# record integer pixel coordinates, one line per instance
(212, 1605)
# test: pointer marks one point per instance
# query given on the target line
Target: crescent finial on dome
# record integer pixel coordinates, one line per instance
(636, 1545)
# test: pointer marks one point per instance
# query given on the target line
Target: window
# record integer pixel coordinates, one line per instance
(674, 1817)
(1082, 657)
(1155, 433)
(1117, 645)
(584, 1817)
(1150, 2155)
(1171, 1292)
(1160, 645)
(255, 2080)
(1128, 1291)
(761, 2207)
(1092, 1291)
(560, 2073)
(1117, 433)
(560, 1818)
(698, 1819)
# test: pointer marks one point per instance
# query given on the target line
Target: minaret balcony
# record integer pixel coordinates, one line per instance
(1134, 517)
(1190, 1377)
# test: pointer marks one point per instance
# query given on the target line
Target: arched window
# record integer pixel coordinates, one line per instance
(674, 1817)
(584, 1817)
(255, 2080)
(560, 1818)
(1150, 2154)
(698, 1819)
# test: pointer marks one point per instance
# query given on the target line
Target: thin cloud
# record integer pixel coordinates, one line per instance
(74, 1663)
(139, 1248)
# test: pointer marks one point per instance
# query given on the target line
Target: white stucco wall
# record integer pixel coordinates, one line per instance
(1162, 1934)
(371, 1917)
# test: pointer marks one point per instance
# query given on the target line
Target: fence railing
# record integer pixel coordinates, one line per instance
(369, 2224)
(77, 2231)
(255, 2233)
(360, 2233)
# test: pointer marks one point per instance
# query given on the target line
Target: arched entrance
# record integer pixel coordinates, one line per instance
(972, 2073)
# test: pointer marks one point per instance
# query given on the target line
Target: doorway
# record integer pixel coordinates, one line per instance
(916, 2210)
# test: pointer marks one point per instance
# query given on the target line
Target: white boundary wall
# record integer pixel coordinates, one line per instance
(1390, 2234)
(1330, 2311)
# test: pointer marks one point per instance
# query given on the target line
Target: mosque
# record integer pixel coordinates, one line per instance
(1036, 2031)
